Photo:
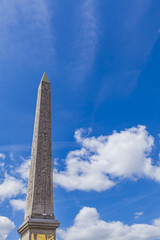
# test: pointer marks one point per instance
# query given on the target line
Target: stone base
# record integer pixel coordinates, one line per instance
(38, 229)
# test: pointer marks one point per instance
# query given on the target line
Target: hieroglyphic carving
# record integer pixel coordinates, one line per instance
(29, 201)
(45, 149)
(40, 223)
(40, 186)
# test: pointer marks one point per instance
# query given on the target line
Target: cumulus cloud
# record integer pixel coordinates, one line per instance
(11, 187)
(88, 225)
(18, 204)
(23, 170)
(6, 226)
(103, 161)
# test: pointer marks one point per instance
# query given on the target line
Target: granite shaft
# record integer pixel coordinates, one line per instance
(39, 221)
(39, 202)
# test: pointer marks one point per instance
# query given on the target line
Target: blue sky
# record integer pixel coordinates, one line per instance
(102, 58)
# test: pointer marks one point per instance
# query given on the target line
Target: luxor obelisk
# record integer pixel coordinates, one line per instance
(39, 221)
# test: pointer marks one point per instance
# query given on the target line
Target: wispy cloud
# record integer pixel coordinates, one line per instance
(86, 41)
(11, 156)
(25, 28)
(130, 39)
(15, 148)
(138, 214)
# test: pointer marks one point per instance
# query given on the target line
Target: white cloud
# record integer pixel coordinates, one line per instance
(18, 204)
(105, 160)
(87, 226)
(138, 214)
(6, 226)
(33, 11)
(32, 36)
(14, 148)
(11, 187)
(86, 38)
(2, 165)
(23, 170)
(11, 155)
(2, 155)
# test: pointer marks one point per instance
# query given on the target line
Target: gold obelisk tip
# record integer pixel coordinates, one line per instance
(45, 78)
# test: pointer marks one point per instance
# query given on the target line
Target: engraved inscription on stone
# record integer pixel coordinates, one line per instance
(40, 184)
(39, 223)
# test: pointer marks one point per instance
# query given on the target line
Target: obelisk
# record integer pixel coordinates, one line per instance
(39, 221)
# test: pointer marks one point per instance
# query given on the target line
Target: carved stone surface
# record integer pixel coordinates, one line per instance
(39, 222)
(39, 202)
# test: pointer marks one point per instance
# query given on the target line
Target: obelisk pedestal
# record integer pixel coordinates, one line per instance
(39, 221)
